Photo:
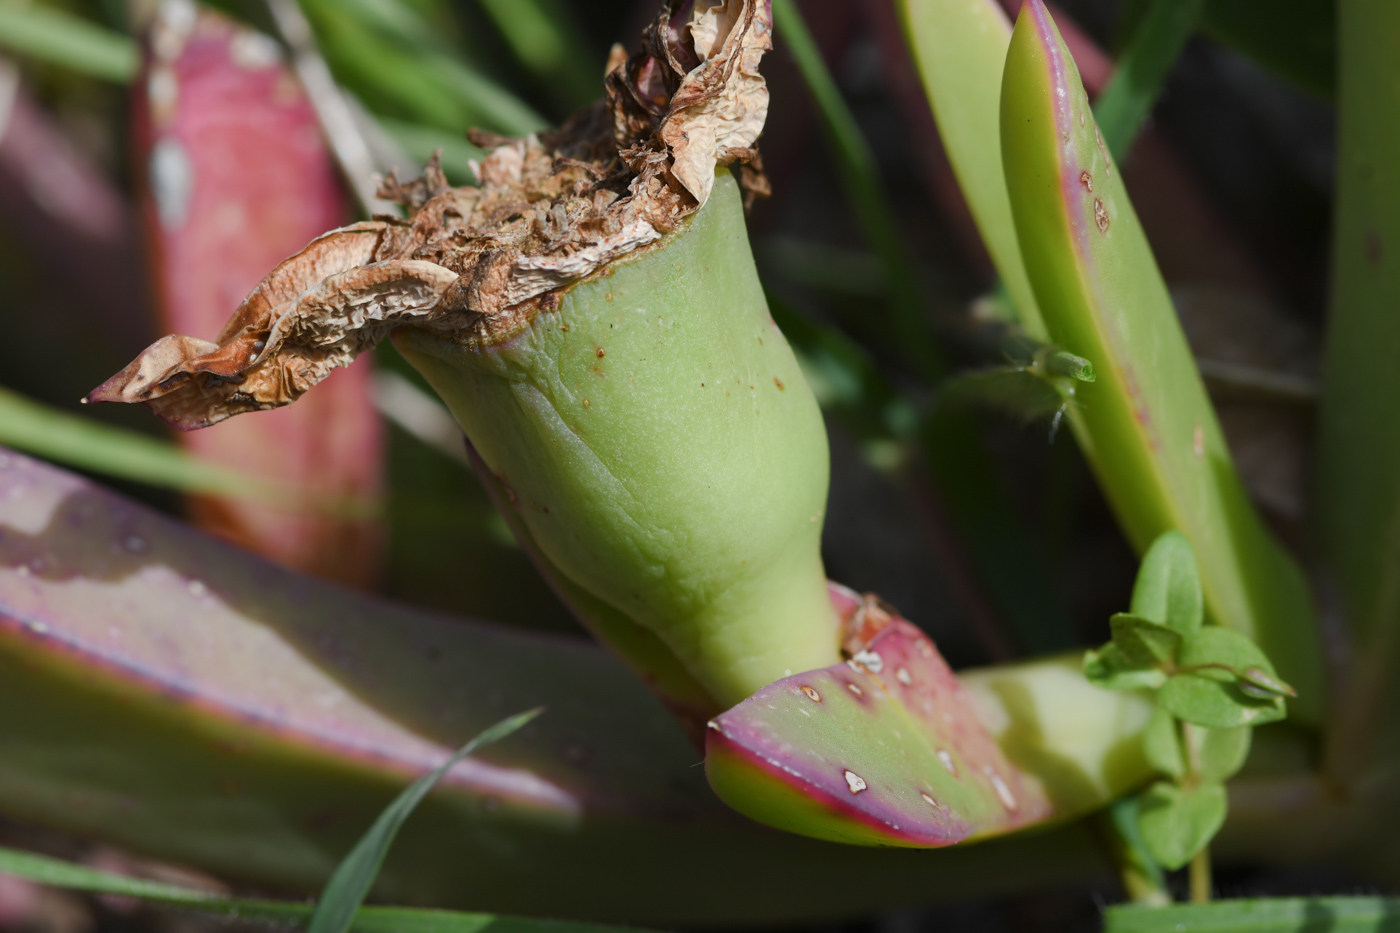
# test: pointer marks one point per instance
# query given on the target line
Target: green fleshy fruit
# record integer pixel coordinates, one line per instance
(665, 456)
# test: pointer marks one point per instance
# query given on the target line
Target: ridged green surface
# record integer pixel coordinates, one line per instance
(1146, 425)
(663, 450)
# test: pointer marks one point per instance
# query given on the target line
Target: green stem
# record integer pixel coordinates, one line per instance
(1201, 877)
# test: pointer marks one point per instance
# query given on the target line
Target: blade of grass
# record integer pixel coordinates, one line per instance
(333, 112)
(51, 35)
(1141, 70)
(69, 439)
(500, 110)
(60, 874)
(1263, 915)
(859, 174)
(546, 37)
(385, 66)
(345, 892)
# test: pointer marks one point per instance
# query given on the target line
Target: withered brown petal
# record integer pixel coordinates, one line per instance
(332, 252)
(722, 104)
(141, 380)
(324, 327)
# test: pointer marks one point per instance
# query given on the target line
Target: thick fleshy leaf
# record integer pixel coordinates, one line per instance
(886, 749)
(1142, 69)
(1178, 822)
(172, 695)
(236, 178)
(1146, 423)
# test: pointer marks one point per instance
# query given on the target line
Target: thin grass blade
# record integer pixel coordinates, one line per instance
(1142, 69)
(345, 892)
(111, 451)
(48, 34)
(859, 174)
(57, 873)
(546, 37)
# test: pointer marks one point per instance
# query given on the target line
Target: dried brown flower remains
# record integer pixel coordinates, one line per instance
(477, 263)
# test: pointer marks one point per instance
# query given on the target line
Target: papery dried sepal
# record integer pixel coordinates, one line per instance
(478, 263)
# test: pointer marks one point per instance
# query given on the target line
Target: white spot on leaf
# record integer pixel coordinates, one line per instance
(1003, 792)
(870, 661)
(855, 782)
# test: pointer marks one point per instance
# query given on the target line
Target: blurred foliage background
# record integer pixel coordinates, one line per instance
(994, 539)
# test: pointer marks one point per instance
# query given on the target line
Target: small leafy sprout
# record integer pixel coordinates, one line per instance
(1038, 381)
(1210, 684)
(1256, 682)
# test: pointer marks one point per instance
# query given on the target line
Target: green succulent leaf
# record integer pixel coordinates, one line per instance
(1146, 423)
(1144, 643)
(1161, 743)
(1109, 669)
(1168, 587)
(1213, 696)
(1178, 822)
(1218, 753)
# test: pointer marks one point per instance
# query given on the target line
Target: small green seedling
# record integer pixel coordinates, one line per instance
(1039, 381)
(1211, 685)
